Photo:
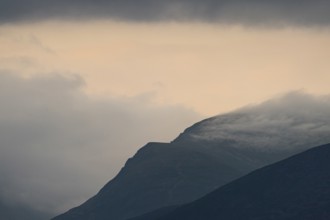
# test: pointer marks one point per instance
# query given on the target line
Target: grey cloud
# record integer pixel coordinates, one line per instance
(296, 120)
(253, 12)
(58, 146)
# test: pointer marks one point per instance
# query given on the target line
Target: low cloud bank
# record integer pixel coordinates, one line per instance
(58, 146)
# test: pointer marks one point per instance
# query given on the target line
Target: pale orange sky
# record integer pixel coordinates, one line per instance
(206, 67)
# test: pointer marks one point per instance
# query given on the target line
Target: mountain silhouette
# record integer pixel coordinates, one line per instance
(207, 155)
(293, 189)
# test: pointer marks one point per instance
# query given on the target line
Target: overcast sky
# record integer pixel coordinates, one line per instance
(298, 12)
(84, 84)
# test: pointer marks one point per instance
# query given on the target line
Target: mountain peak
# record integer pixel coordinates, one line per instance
(295, 121)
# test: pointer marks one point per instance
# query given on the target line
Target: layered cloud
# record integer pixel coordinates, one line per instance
(258, 12)
(58, 146)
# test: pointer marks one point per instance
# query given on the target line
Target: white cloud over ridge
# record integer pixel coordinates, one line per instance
(295, 120)
(58, 146)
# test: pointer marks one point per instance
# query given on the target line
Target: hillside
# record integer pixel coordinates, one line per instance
(293, 189)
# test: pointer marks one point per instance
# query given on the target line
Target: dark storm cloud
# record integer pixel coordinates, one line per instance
(280, 12)
(58, 146)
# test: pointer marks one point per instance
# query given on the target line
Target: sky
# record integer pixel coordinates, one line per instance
(84, 84)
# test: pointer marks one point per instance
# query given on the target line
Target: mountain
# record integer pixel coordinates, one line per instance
(158, 175)
(207, 155)
(293, 189)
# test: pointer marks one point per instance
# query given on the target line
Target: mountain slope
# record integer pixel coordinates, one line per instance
(293, 189)
(158, 175)
(207, 155)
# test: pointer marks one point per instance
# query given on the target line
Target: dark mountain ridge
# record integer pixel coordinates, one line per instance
(293, 189)
(158, 175)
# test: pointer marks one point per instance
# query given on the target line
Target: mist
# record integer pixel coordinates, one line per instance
(295, 120)
(58, 146)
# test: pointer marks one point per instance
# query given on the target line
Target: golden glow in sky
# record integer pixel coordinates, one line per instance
(207, 67)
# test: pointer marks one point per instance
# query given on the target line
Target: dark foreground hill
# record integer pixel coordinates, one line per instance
(294, 189)
(205, 156)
